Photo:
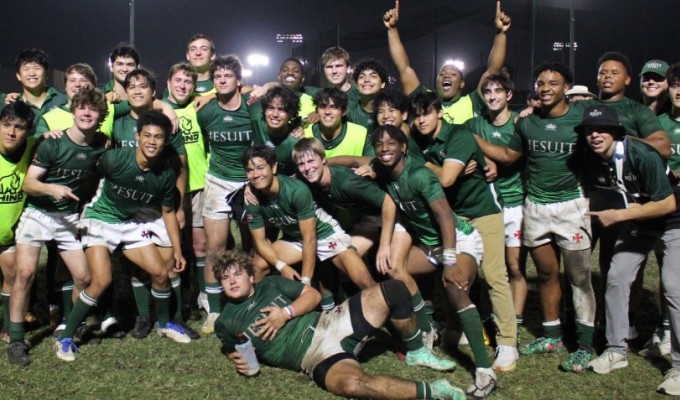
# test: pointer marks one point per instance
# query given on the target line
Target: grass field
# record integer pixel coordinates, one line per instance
(156, 368)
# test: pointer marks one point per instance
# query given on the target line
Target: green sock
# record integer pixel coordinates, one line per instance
(327, 301)
(520, 319)
(142, 297)
(473, 329)
(66, 299)
(553, 331)
(413, 340)
(5, 309)
(16, 332)
(423, 318)
(200, 270)
(584, 334)
(162, 299)
(83, 305)
(423, 390)
(214, 291)
(176, 283)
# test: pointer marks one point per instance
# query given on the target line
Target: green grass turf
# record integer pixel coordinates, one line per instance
(156, 368)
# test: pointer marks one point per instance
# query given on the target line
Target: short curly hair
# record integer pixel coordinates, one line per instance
(230, 260)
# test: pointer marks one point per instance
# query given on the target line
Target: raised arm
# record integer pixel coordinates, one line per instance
(497, 55)
(408, 77)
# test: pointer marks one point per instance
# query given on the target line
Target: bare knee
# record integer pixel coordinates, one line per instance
(159, 277)
(261, 268)
(351, 384)
(24, 276)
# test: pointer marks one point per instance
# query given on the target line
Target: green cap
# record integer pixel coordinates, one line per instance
(658, 67)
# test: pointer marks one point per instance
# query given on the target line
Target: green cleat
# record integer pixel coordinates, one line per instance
(444, 390)
(577, 361)
(424, 357)
(543, 345)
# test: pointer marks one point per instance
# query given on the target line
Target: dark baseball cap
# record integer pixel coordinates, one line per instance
(600, 115)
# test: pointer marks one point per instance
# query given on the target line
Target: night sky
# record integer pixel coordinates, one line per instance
(85, 31)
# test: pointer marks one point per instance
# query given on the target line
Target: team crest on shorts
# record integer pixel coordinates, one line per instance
(577, 238)
(146, 234)
(332, 245)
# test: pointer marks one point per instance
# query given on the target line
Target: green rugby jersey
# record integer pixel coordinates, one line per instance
(12, 173)
(283, 146)
(68, 164)
(124, 135)
(293, 203)
(292, 341)
(352, 141)
(357, 114)
(548, 143)
(638, 120)
(471, 195)
(350, 197)
(229, 135)
(413, 191)
(509, 183)
(204, 87)
(353, 93)
(54, 99)
(672, 128)
(126, 189)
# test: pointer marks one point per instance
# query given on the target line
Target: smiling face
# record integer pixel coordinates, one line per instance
(139, 93)
(653, 85)
(330, 115)
(151, 141)
(13, 132)
(450, 83)
(387, 114)
(389, 151)
(260, 174)
(290, 75)
(86, 117)
(311, 166)
(121, 67)
(32, 76)
(496, 97)
(551, 88)
(181, 86)
(601, 140)
(369, 82)
(200, 54)
(75, 82)
(275, 115)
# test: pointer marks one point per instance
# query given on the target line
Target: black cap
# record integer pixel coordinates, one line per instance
(600, 115)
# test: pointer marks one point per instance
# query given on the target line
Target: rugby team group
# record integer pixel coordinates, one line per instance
(355, 193)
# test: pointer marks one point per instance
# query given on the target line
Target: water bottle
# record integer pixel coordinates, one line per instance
(245, 347)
